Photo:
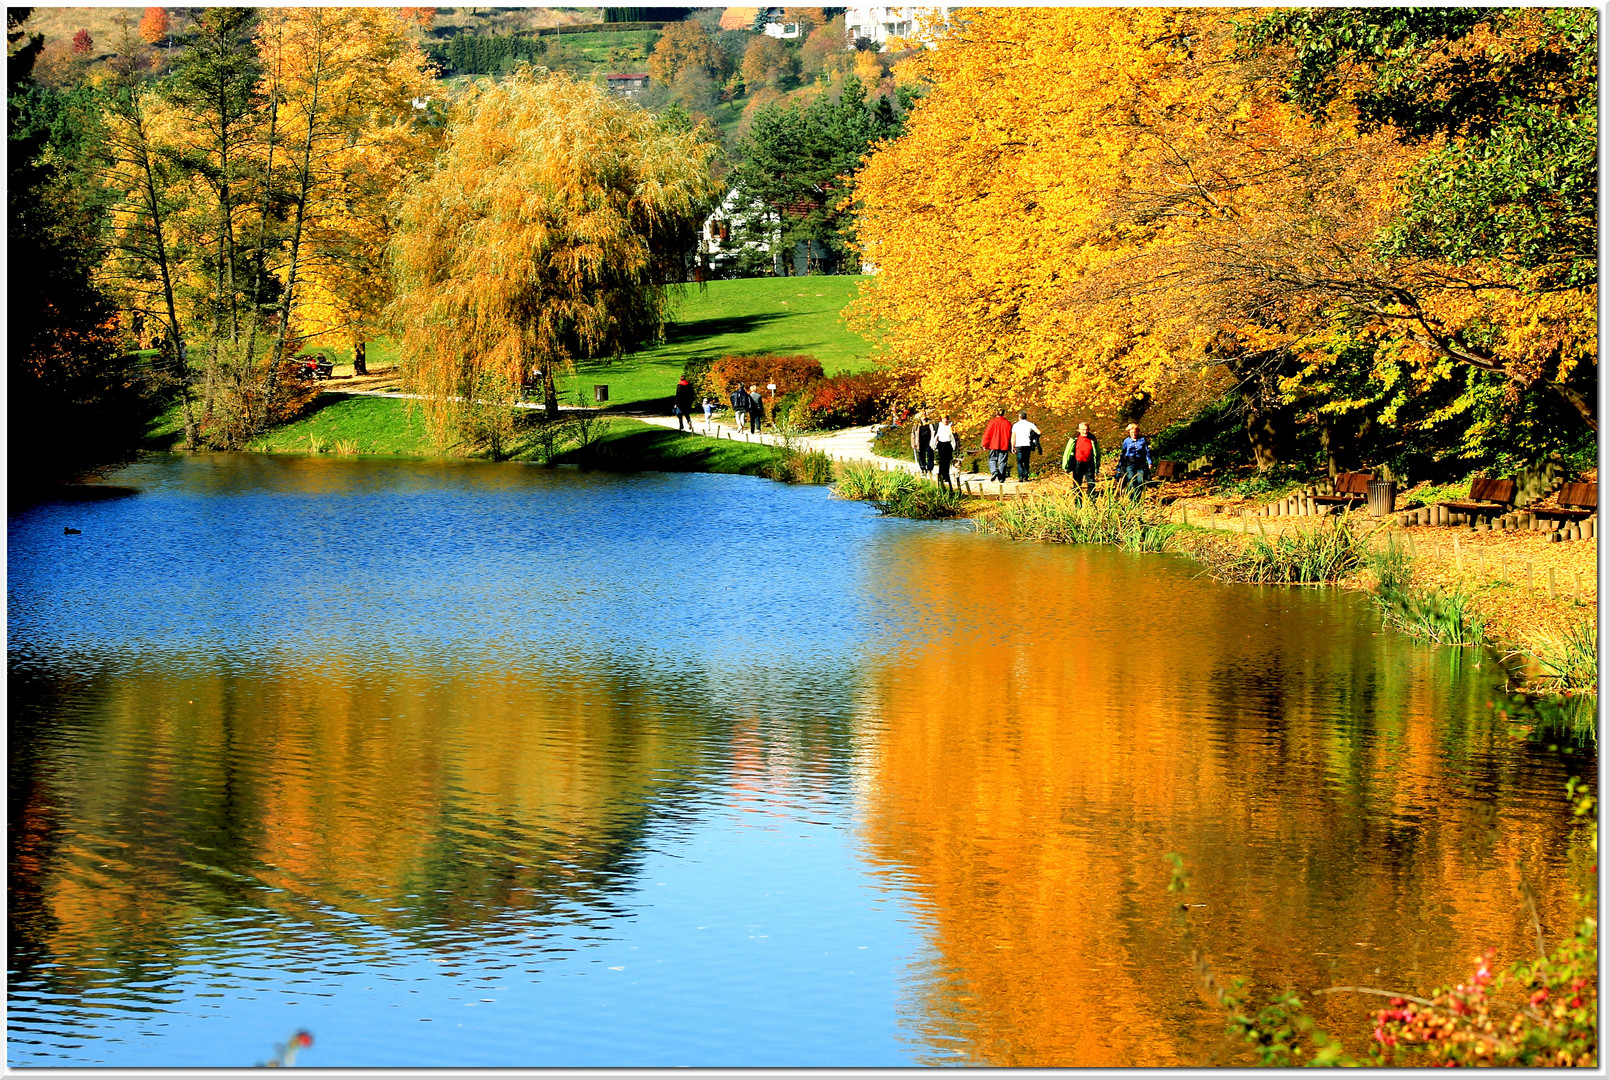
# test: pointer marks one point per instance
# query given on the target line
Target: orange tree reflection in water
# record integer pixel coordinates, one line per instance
(1048, 722)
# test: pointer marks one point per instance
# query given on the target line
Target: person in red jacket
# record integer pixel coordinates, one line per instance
(998, 441)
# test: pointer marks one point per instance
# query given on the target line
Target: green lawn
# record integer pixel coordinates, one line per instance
(792, 315)
(632, 445)
(369, 425)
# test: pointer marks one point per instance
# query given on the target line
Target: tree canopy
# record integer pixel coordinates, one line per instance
(551, 226)
(1091, 201)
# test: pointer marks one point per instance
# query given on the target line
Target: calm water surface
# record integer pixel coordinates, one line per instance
(491, 765)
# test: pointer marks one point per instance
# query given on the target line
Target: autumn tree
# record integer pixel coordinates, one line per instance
(767, 62)
(684, 45)
(551, 227)
(344, 80)
(82, 42)
(154, 25)
(1158, 205)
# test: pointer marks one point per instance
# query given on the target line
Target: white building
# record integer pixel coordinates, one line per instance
(879, 24)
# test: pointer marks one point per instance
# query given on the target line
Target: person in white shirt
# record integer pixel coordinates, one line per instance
(944, 443)
(1025, 440)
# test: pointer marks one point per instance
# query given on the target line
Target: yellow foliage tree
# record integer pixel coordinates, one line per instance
(551, 226)
(1091, 202)
(767, 62)
(683, 45)
(341, 82)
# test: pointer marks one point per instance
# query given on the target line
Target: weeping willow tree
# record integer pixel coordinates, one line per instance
(550, 229)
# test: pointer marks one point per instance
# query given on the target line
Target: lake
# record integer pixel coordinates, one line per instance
(463, 764)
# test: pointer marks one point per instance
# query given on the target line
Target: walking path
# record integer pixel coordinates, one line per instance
(850, 444)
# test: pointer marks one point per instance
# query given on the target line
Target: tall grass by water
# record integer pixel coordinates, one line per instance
(1318, 556)
(1443, 616)
(1074, 517)
(793, 464)
(897, 493)
(1569, 656)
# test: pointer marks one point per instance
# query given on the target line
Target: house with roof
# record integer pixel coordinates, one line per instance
(627, 85)
(879, 24)
(771, 21)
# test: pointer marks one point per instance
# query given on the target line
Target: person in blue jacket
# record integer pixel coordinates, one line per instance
(1134, 462)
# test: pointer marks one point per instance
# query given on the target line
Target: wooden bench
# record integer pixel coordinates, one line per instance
(1578, 502)
(1488, 498)
(314, 366)
(1170, 470)
(1351, 487)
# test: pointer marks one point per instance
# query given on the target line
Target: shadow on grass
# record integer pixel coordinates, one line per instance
(717, 325)
(668, 451)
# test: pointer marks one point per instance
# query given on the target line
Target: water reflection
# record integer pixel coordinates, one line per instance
(1052, 722)
(462, 764)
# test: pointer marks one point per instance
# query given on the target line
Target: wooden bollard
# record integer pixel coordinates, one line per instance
(1185, 515)
(1458, 556)
(1531, 582)
(1576, 578)
(1553, 587)
(1243, 522)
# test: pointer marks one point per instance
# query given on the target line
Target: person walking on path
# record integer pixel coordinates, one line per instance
(1025, 440)
(709, 411)
(944, 444)
(684, 404)
(1082, 457)
(1134, 462)
(740, 406)
(998, 441)
(757, 410)
(922, 435)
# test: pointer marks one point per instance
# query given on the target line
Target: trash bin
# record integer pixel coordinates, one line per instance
(600, 392)
(1383, 495)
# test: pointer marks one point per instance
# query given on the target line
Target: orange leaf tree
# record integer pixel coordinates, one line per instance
(551, 226)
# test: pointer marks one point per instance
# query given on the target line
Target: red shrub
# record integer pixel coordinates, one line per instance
(790, 373)
(850, 400)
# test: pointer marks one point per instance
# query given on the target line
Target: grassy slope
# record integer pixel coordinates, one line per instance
(376, 425)
(632, 444)
(753, 315)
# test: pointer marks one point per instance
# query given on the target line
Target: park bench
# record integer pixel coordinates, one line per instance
(1577, 502)
(314, 367)
(1349, 488)
(1488, 498)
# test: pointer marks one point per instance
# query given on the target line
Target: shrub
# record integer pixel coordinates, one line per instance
(790, 373)
(1073, 517)
(849, 400)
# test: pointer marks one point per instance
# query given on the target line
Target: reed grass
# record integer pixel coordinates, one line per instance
(1075, 517)
(1318, 556)
(897, 493)
(795, 465)
(1442, 616)
(1569, 656)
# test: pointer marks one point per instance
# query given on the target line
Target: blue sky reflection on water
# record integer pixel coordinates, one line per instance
(464, 764)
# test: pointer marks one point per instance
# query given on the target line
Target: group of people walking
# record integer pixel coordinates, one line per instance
(934, 445)
(1003, 440)
(748, 407)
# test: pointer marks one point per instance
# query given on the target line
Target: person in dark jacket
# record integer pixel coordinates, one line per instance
(740, 407)
(757, 410)
(922, 435)
(684, 404)
(1082, 457)
(1134, 462)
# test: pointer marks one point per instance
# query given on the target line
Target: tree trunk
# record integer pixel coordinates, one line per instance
(154, 210)
(360, 365)
(550, 394)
